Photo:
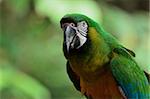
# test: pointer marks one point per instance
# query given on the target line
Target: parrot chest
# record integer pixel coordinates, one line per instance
(105, 87)
(89, 69)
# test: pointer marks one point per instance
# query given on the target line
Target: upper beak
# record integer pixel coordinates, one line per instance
(69, 34)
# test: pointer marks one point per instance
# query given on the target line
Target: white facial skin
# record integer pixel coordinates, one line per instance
(72, 32)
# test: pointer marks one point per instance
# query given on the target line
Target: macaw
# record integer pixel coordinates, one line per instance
(97, 64)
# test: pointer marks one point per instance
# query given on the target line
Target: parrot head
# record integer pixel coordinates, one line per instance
(75, 28)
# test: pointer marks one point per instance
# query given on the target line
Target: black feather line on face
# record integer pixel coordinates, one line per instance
(81, 33)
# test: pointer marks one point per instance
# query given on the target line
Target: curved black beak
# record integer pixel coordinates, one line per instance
(69, 36)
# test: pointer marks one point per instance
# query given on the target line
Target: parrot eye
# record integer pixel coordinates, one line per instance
(83, 26)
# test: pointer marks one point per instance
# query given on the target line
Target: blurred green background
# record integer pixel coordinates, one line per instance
(32, 65)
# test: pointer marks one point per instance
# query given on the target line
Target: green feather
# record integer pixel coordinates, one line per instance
(128, 75)
(101, 48)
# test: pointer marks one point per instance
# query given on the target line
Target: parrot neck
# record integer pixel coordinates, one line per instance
(90, 58)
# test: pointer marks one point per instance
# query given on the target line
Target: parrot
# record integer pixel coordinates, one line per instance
(97, 64)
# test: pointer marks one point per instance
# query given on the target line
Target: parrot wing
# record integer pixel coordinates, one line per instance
(128, 75)
(73, 77)
(147, 75)
(131, 52)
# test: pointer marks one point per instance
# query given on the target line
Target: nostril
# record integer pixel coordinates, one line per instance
(64, 25)
(72, 24)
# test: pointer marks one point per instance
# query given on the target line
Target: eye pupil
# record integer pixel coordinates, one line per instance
(83, 24)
